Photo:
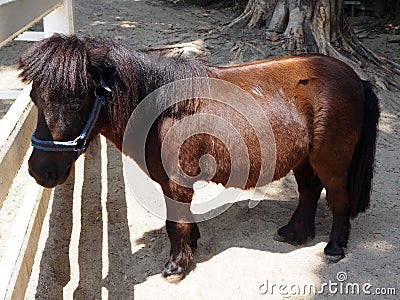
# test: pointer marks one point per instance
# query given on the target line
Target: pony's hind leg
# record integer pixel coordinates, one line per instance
(183, 233)
(338, 200)
(301, 226)
(334, 178)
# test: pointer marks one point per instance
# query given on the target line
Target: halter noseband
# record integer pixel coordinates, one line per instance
(79, 144)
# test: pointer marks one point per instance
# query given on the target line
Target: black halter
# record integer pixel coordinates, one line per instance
(79, 144)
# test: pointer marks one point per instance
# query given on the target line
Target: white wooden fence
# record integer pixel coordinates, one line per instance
(16, 16)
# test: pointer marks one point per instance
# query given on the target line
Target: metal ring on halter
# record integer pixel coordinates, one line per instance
(79, 144)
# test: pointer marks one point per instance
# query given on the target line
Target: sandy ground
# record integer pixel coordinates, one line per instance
(98, 242)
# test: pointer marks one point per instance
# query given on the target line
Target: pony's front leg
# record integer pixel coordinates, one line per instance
(183, 238)
(182, 231)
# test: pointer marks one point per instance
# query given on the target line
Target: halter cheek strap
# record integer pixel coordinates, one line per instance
(79, 144)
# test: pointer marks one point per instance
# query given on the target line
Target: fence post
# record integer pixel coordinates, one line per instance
(60, 20)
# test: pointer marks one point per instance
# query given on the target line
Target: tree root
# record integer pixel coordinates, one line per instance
(252, 16)
(386, 70)
(316, 27)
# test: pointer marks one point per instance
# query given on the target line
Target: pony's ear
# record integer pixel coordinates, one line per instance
(98, 56)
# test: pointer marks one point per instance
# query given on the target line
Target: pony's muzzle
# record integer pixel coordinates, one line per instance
(49, 171)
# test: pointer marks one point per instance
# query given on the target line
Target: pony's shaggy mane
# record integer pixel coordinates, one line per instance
(70, 65)
(58, 65)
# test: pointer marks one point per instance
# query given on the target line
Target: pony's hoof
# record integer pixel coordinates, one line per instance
(173, 273)
(279, 238)
(334, 253)
(285, 234)
(175, 279)
(295, 237)
(333, 259)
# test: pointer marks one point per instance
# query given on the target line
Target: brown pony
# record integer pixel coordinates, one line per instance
(323, 117)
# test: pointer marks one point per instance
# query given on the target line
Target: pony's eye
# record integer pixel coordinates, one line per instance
(74, 106)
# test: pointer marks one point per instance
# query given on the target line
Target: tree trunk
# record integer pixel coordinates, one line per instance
(311, 26)
(305, 25)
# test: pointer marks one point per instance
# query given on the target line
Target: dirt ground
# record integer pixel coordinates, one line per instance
(99, 242)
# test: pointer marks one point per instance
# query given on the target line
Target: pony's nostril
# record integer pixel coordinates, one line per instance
(47, 176)
(50, 176)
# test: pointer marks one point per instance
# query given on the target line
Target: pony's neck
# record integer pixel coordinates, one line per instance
(138, 75)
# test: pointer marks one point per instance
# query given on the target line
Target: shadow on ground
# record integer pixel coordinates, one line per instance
(236, 228)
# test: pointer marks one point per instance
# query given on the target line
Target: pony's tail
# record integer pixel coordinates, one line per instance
(360, 173)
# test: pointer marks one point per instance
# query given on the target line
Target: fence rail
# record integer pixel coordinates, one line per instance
(16, 16)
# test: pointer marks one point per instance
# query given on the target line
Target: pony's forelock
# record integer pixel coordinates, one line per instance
(58, 65)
